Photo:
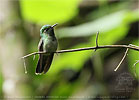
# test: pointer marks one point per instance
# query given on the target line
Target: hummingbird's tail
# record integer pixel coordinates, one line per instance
(44, 63)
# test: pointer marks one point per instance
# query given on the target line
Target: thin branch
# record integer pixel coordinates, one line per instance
(133, 47)
(97, 40)
(135, 67)
(121, 60)
(136, 63)
(25, 66)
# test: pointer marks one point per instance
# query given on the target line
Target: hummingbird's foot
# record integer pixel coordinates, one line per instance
(38, 73)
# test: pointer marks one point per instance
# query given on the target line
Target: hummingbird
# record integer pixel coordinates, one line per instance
(48, 43)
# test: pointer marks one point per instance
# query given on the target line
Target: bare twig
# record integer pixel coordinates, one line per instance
(136, 63)
(87, 48)
(135, 67)
(97, 40)
(25, 66)
(121, 60)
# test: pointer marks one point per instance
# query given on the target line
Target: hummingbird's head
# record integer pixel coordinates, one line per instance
(47, 29)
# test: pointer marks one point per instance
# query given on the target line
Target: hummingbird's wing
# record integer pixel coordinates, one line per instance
(48, 62)
(39, 68)
(44, 61)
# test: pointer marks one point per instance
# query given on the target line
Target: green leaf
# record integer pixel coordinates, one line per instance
(49, 11)
(103, 24)
(116, 34)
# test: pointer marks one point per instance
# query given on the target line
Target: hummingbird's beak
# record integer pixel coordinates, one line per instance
(54, 25)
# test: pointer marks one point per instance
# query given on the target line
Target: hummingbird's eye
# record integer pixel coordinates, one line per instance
(45, 30)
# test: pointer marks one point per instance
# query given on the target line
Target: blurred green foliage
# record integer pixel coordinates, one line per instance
(49, 11)
(84, 73)
(1, 82)
(133, 57)
(113, 23)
